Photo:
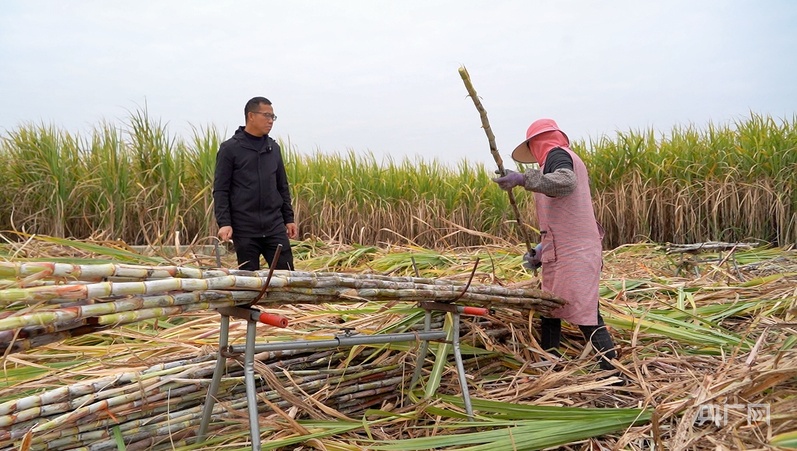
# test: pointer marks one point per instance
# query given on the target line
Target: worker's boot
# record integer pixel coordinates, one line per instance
(602, 342)
(551, 335)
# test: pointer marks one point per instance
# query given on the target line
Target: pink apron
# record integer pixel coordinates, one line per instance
(571, 249)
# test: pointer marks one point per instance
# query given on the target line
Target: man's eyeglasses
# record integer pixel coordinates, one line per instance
(273, 117)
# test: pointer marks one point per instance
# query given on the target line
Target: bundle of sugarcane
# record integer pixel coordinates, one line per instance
(163, 404)
(46, 302)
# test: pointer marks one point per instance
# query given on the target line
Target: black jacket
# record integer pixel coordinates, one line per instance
(250, 187)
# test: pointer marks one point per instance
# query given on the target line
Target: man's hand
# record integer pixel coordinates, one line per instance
(510, 179)
(293, 231)
(225, 233)
(533, 261)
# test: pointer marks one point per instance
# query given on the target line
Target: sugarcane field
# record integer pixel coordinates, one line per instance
(409, 321)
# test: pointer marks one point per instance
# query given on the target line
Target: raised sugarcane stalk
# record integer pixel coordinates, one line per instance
(39, 329)
(494, 150)
(135, 316)
(293, 279)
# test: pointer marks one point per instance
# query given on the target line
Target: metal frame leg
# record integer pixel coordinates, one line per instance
(463, 382)
(249, 378)
(221, 364)
(422, 351)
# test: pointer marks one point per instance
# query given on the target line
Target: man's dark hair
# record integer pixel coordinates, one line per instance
(254, 104)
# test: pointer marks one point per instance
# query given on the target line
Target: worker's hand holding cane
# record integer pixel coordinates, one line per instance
(510, 179)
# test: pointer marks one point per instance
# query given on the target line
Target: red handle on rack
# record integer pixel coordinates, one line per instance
(475, 311)
(273, 320)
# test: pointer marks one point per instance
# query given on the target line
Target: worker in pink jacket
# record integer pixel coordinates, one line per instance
(570, 247)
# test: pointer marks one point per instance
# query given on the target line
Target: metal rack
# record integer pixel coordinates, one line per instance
(250, 347)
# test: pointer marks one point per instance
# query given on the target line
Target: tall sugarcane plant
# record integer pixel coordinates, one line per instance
(136, 182)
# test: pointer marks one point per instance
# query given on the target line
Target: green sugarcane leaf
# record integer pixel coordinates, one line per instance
(441, 359)
(785, 440)
(789, 343)
(117, 437)
(113, 254)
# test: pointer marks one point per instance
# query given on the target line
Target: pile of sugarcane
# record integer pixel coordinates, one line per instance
(44, 303)
(161, 406)
(47, 302)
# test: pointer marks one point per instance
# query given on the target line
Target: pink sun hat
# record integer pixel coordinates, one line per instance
(522, 154)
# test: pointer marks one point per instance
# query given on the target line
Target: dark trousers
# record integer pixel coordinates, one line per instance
(249, 249)
(551, 335)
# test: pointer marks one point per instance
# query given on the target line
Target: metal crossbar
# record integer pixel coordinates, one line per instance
(250, 347)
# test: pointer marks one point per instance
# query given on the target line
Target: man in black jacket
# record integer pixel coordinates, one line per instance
(251, 196)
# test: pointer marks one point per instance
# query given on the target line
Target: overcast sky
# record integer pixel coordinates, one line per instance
(381, 76)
